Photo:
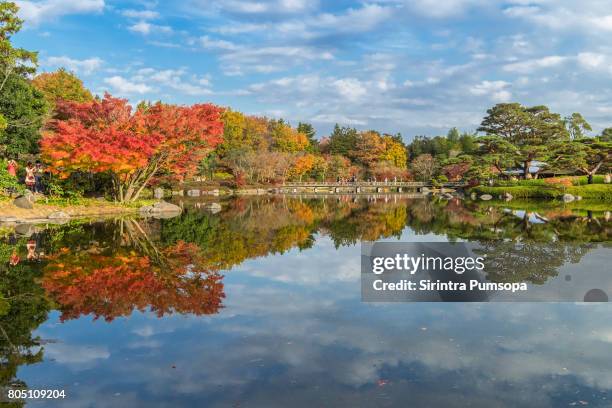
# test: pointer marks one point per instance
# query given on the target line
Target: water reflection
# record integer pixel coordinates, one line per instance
(260, 306)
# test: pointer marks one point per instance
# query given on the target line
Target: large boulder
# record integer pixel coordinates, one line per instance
(25, 230)
(486, 197)
(161, 207)
(213, 207)
(568, 198)
(58, 215)
(25, 201)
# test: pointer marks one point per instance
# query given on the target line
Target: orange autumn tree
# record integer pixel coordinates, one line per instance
(106, 135)
(111, 285)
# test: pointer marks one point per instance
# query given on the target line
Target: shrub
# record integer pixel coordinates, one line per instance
(221, 175)
(584, 180)
(531, 182)
(592, 191)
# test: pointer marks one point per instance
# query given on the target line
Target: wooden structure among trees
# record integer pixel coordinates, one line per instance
(358, 187)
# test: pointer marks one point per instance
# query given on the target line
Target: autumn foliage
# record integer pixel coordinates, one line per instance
(134, 146)
(114, 285)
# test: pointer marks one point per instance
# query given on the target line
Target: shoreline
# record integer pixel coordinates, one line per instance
(50, 213)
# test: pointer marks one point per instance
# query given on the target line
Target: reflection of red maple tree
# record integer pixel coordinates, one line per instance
(113, 285)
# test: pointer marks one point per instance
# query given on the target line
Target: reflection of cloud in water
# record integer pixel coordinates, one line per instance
(319, 265)
(75, 354)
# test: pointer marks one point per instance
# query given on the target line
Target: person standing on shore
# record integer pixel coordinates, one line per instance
(30, 179)
(11, 167)
(39, 172)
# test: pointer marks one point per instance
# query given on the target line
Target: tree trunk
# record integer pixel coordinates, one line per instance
(590, 178)
(527, 164)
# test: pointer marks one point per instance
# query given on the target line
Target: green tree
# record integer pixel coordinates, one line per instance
(61, 85)
(496, 152)
(606, 135)
(16, 64)
(342, 140)
(24, 108)
(576, 126)
(309, 131)
(468, 143)
(453, 136)
(13, 60)
(587, 156)
(532, 130)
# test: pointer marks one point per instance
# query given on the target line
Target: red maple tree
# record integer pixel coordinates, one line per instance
(106, 135)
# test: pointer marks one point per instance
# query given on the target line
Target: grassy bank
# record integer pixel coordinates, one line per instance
(582, 207)
(83, 207)
(601, 192)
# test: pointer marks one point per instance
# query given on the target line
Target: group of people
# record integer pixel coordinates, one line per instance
(33, 174)
(32, 247)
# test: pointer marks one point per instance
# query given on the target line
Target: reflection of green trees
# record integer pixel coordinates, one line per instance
(476, 222)
(258, 226)
(252, 228)
(528, 261)
(23, 307)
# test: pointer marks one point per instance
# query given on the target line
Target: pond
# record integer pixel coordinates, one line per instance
(259, 305)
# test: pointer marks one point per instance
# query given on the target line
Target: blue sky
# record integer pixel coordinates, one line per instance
(409, 66)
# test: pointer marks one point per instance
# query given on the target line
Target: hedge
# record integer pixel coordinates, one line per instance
(591, 191)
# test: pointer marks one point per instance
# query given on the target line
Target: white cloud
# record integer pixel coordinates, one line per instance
(525, 67)
(239, 59)
(86, 66)
(210, 43)
(352, 20)
(146, 28)
(350, 88)
(591, 17)
(174, 79)
(36, 12)
(335, 118)
(592, 60)
(603, 23)
(442, 9)
(267, 6)
(141, 14)
(496, 90)
(127, 87)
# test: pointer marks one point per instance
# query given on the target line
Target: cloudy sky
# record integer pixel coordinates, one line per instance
(413, 66)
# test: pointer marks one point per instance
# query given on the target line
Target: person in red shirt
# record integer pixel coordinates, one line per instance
(11, 167)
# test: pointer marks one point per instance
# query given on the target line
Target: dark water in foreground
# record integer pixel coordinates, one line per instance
(259, 306)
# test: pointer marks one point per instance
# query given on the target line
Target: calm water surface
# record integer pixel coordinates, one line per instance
(259, 305)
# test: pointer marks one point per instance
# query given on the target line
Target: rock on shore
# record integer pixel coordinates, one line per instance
(160, 208)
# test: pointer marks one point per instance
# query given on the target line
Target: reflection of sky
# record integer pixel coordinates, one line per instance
(295, 333)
